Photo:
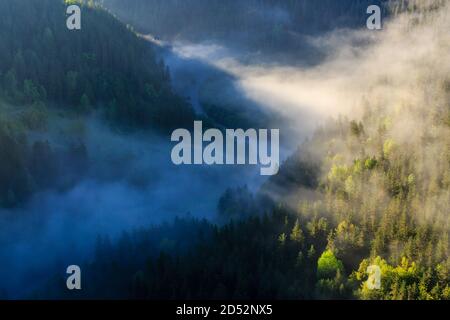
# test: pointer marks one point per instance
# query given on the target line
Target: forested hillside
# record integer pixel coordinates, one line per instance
(49, 75)
(369, 190)
(268, 25)
(104, 65)
(192, 19)
(384, 208)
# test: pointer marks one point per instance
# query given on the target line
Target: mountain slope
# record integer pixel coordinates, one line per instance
(103, 65)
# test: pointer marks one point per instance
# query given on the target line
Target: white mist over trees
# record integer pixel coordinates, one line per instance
(84, 121)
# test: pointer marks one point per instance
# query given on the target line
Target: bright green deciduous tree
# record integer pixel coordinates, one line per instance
(328, 265)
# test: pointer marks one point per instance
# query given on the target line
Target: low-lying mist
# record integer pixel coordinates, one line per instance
(131, 182)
